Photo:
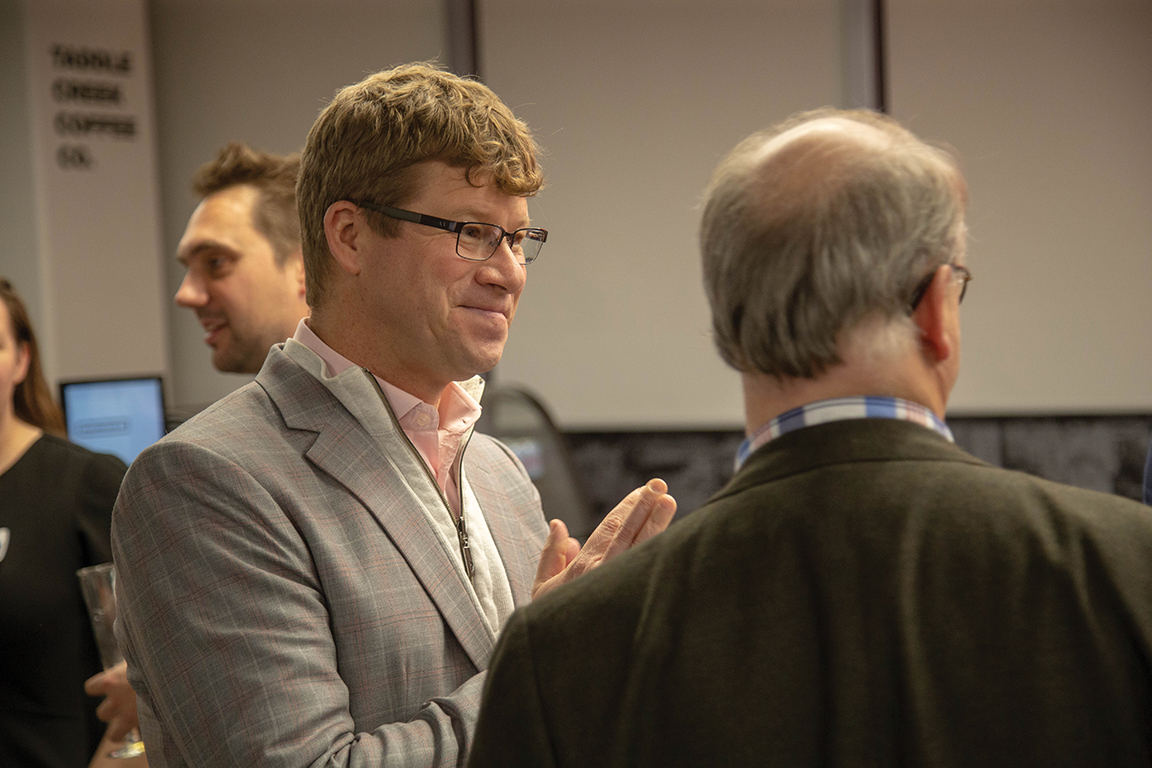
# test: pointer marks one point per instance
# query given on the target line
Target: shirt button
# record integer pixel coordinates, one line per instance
(422, 420)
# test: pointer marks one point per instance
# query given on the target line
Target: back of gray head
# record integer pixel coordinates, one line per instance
(805, 240)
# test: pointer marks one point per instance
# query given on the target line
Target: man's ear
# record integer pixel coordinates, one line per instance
(345, 231)
(935, 316)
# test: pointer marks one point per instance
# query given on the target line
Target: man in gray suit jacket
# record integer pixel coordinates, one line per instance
(863, 593)
(315, 570)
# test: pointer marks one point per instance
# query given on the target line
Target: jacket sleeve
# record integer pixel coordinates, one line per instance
(227, 633)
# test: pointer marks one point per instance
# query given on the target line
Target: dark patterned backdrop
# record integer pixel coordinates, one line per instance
(1104, 453)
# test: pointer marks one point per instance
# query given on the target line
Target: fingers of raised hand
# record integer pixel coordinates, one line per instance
(554, 557)
(633, 514)
(642, 514)
(660, 518)
(573, 549)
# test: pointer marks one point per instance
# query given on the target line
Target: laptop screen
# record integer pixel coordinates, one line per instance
(117, 416)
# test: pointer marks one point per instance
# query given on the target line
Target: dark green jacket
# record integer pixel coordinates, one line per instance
(863, 593)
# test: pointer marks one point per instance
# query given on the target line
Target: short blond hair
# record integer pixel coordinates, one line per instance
(365, 143)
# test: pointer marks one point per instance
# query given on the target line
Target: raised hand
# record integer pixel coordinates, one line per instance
(641, 515)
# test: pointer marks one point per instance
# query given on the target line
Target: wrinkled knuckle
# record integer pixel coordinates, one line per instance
(611, 525)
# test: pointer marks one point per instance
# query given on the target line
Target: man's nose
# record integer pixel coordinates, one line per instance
(503, 269)
(191, 293)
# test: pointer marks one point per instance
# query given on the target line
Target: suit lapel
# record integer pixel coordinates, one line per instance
(375, 464)
(504, 516)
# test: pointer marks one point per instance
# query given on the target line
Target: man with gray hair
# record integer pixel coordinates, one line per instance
(863, 592)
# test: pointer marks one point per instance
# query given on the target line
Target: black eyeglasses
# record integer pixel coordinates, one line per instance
(922, 287)
(475, 240)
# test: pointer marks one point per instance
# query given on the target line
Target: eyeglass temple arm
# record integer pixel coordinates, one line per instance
(418, 218)
(922, 288)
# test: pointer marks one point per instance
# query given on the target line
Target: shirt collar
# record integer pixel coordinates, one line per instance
(459, 405)
(841, 409)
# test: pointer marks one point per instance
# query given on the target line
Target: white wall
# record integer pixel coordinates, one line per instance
(1047, 103)
(79, 237)
(1050, 108)
(636, 100)
(635, 103)
(258, 72)
(18, 261)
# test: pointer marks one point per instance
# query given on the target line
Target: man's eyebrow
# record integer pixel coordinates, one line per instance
(474, 214)
(200, 247)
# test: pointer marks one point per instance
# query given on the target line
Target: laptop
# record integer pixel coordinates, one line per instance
(118, 416)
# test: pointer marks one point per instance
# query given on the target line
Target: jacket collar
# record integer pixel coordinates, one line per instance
(367, 454)
(843, 442)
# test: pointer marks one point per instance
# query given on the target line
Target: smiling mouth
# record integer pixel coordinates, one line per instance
(486, 310)
(212, 331)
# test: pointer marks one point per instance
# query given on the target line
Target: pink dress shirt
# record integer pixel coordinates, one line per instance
(436, 434)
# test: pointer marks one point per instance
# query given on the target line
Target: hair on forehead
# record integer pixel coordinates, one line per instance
(369, 143)
(273, 177)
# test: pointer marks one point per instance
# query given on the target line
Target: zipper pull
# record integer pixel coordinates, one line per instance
(466, 552)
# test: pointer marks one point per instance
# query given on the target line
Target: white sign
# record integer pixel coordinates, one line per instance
(94, 159)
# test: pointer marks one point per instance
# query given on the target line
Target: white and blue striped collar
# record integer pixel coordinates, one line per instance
(841, 409)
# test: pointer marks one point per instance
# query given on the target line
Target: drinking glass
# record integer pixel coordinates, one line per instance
(98, 583)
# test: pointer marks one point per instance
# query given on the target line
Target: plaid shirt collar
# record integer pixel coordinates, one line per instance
(841, 409)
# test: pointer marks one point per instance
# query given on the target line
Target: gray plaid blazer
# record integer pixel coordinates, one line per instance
(283, 601)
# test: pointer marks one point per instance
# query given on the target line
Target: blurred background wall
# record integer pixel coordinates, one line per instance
(635, 101)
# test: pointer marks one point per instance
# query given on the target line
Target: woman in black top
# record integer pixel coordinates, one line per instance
(55, 516)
